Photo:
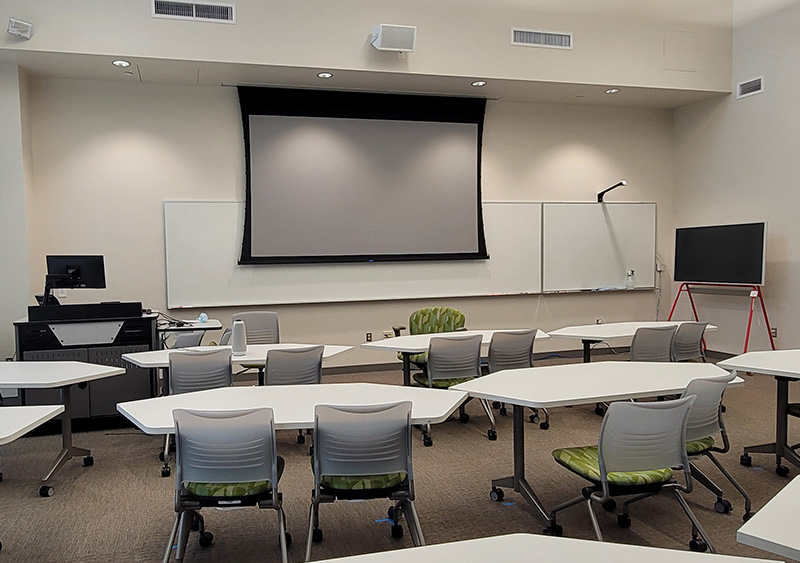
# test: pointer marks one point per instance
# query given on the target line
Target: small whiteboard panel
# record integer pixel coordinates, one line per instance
(203, 242)
(591, 246)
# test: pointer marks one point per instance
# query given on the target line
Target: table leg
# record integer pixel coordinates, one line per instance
(780, 447)
(406, 368)
(68, 451)
(518, 481)
(599, 408)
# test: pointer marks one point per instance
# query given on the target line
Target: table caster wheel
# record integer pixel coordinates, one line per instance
(166, 471)
(723, 506)
(746, 516)
(206, 538)
(599, 411)
(427, 441)
(623, 520)
(496, 494)
(492, 434)
(782, 470)
(503, 411)
(316, 535)
(534, 418)
(497, 404)
(88, 461)
(544, 425)
(301, 439)
(697, 545)
(554, 530)
(745, 460)
(463, 418)
(46, 491)
(397, 531)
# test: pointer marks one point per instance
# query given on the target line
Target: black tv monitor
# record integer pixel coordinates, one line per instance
(76, 272)
(723, 254)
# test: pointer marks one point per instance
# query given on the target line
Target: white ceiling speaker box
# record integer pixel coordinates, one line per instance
(388, 37)
(20, 28)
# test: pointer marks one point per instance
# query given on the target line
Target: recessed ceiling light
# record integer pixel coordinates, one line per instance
(121, 64)
(479, 83)
(612, 90)
(128, 73)
(325, 75)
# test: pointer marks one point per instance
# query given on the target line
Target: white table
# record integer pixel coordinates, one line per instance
(293, 405)
(545, 549)
(255, 355)
(592, 334)
(774, 527)
(411, 344)
(61, 376)
(576, 384)
(165, 327)
(784, 366)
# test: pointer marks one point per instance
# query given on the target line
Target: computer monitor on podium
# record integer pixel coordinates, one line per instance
(69, 272)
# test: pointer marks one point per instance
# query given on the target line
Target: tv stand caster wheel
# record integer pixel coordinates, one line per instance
(46, 491)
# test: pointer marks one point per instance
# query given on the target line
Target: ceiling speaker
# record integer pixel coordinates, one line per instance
(388, 37)
(20, 28)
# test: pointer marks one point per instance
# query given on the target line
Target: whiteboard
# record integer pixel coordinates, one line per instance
(591, 246)
(203, 242)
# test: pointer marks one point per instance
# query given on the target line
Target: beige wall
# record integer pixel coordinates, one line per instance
(736, 161)
(106, 155)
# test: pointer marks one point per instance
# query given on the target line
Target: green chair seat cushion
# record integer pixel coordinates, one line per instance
(422, 379)
(362, 482)
(699, 446)
(585, 462)
(226, 490)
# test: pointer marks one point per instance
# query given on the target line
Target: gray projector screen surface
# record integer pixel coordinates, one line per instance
(356, 188)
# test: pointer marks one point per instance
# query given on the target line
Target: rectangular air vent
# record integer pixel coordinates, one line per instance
(538, 38)
(750, 87)
(206, 11)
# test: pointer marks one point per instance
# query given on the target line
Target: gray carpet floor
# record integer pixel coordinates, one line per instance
(122, 509)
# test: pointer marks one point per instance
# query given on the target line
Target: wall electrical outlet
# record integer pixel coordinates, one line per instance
(369, 337)
(660, 267)
(599, 320)
(773, 332)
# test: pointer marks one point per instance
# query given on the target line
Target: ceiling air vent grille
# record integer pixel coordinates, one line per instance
(536, 38)
(205, 11)
(750, 87)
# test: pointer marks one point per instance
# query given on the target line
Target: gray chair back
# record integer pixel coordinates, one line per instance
(188, 339)
(225, 339)
(653, 344)
(705, 418)
(451, 357)
(225, 446)
(294, 366)
(511, 350)
(351, 441)
(261, 326)
(688, 343)
(198, 370)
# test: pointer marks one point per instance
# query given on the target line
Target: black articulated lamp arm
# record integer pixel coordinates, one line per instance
(618, 184)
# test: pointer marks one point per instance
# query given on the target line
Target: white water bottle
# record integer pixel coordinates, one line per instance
(238, 338)
(629, 283)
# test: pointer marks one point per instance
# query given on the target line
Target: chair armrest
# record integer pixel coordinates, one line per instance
(461, 329)
(397, 329)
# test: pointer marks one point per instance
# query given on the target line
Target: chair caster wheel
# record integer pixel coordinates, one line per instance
(390, 514)
(503, 411)
(599, 411)
(544, 425)
(166, 471)
(316, 535)
(46, 491)
(723, 506)
(698, 545)
(427, 441)
(610, 505)
(288, 537)
(497, 405)
(534, 418)
(1, 476)
(496, 494)
(782, 470)
(88, 461)
(554, 530)
(746, 516)
(397, 531)
(206, 538)
(492, 434)
(463, 418)
(623, 521)
(745, 460)
(301, 439)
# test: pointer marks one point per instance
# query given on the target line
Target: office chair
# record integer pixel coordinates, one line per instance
(364, 452)
(188, 339)
(688, 342)
(224, 459)
(295, 366)
(430, 320)
(653, 344)
(639, 447)
(705, 422)
(453, 360)
(261, 327)
(195, 370)
(514, 350)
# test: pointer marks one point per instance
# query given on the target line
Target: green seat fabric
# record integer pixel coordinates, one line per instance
(362, 482)
(699, 446)
(430, 320)
(227, 490)
(422, 379)
(585, 462)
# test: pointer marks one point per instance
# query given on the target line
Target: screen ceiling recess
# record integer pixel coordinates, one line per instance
(360, 177)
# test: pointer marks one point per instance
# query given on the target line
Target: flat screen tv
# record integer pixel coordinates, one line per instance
(724, 254)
